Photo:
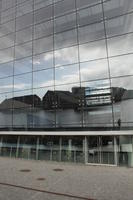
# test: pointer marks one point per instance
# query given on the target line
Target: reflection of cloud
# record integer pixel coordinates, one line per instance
(48, 56)
(66, 56)
(94, 70)
(122, 65)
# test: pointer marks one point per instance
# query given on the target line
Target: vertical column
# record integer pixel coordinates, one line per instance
(60, 148)
(69, 149)
(1, 140)
(37, 148)
(115, 151)
(86, 149)
(17, 150)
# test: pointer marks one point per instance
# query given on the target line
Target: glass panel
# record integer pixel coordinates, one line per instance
(23, 50)
(23, 66)
(72, 149)
(125, 151)
(85, 3)
(66, 56)
(9, 146)
(43, 14)
(121, 65)
(68, 112)
(6, 69)
(93, 149)
(96, 104)
(41, 3)
(7, 41)
(43, 29)
(43, 61)
(7, 15)
(23, 81)
(24, 21)
(49, 148)
(122, 95)
(6, 55)
(6, 4)
(23, 99)
(24, 8)
(44, 108)
(117, 7)
(120, 45)
(119, 25)
(93, 50)
(90, 15)
(43, 45)
(43, 78)
(24, 35)
(67, 74)
(6, 84)
(94, 70)
(66, 39)
(7, 28)
(6, 110)
(63, 7)
(65, 22)
(107, 150)
(27, 147)
(91, 32)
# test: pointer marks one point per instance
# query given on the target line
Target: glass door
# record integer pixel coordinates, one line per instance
(101, 150)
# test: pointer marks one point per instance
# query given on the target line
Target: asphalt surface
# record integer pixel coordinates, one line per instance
(41, 180)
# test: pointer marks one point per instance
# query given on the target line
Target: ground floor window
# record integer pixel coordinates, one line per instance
(109, 150)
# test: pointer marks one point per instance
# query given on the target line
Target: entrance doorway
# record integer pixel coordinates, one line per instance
(101, 150)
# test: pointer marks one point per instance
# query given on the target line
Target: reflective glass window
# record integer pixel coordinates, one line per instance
(91, 32)
(43, 61)
(63, 7)
(43, 45)
(66, 56)
(120, 45)
(23, 50)
(24, 35)
(94, 70)
(67, 74)
(6, 69)
(23, 65)
(43, 78)
(64, 23)
(93, 50)
(43, 14)
(65, 39)
(43, 29)
(90, 15)
(23, 81)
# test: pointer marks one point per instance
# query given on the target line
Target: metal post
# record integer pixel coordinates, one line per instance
(115, 151)
(1, 144)
(86, 150)
(37, 148)
(17, 150)
(60, 148)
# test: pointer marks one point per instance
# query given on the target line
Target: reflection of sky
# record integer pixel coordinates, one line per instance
(119, 66)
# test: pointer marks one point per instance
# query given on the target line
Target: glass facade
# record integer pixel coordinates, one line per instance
(107, 150)
(66, 64)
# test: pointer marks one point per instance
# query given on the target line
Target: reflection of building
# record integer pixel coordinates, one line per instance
(67, 66)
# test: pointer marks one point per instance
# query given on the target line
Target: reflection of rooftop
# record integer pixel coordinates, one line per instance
(80, 97)
(20, 102)
(128, 95)
(62, 99)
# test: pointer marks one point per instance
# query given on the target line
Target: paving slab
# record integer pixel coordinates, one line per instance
(41, 180)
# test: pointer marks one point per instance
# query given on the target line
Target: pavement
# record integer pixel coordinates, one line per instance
(41, 180)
